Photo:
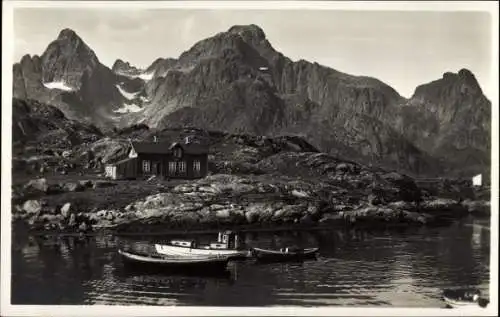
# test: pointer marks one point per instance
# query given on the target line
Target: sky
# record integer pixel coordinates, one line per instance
(402, 48)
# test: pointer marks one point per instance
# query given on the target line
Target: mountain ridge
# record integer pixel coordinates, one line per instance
(237, 82)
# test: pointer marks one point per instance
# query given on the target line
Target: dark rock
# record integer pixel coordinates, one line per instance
(86, 183)
(37, 184)
(72, 220)
(73, 187)
(83, 227)
(103, 184)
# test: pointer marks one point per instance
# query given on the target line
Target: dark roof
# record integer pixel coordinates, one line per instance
(192, 148)
(151, 147)
(123, 161)
(166, 148)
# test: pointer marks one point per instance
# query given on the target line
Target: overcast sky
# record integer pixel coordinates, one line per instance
(403, 49)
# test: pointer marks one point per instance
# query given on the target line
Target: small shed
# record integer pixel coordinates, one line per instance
(477, 180)
(124, 169)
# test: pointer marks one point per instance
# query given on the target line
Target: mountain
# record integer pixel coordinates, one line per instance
(124, 68)
(450, 118)
(235, 81)
(45, 126)
(69, 76)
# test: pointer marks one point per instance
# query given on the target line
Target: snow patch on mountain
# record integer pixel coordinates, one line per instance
(144, 99)
(60, 85)
(127, 108)
(147, 76)
(126, 94)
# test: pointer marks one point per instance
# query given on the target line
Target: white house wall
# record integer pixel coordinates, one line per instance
(477, 180)
(132, 153)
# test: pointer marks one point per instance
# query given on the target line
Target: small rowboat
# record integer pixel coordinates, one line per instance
(284, 254)
(183, 263)
(464, 298)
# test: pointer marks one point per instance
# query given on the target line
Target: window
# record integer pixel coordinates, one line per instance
(171, 168)
(146, 166)
(182, 167)
(196, 167)
(177, 152)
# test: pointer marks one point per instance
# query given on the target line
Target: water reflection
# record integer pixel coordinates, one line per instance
(354, 267)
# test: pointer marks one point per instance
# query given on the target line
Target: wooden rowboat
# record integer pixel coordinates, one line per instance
(182, 263)
(464, 299)
(284, 254)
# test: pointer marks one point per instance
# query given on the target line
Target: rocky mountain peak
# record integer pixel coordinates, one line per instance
(451, 85)
(66, 59)
(250, 31)
(119, 63)
(68, 34)
(121, 66)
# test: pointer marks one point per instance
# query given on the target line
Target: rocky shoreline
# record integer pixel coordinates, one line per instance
(226, 201)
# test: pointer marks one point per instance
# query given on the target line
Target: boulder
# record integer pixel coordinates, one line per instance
(67, 209)
(439, 204)
(54, 189)
(86, 183)
(342, 167)
(222, 214)
(66, 154)
(32, 207)
(73, 187)
(72, 220)
(37, 184)
(307, 219)
(288, 212)
(83, 227)
(299, 193)
(332, 218)
(374, 200)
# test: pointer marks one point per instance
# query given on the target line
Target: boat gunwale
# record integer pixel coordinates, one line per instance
(208, 249)
(277, 252)
(195, 259)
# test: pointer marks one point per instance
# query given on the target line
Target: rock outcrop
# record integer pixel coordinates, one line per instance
(35, 123)
(229, 200)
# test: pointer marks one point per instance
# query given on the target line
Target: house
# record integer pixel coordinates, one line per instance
(477, 180)
(187, 159)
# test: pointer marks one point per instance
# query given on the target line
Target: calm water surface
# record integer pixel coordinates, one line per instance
(405, 268)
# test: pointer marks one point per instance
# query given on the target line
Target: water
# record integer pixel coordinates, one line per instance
(403, 268)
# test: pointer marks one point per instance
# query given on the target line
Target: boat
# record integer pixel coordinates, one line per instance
(227, 245)
(179, 263)
(284, 254)
(464, 298)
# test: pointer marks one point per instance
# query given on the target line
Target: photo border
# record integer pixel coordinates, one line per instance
(101, 310)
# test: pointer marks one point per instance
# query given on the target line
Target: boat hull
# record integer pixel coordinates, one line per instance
(263, 255)
(177, 264)
(172, 250)
(460, 304)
